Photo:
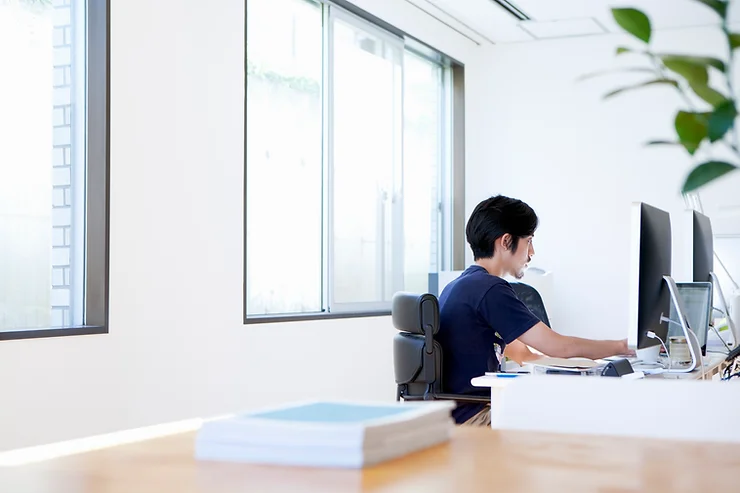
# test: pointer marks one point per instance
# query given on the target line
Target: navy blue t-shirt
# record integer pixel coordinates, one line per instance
(479, 314)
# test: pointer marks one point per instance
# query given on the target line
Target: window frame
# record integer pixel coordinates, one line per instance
(452, 199)
(97, 184)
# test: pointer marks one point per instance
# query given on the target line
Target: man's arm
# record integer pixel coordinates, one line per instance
(520, 352)
(544, 339)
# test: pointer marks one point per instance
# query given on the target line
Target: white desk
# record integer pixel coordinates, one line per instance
(712, 367)
(497, 384)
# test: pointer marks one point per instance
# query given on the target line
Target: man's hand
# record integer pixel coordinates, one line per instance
(626, 351)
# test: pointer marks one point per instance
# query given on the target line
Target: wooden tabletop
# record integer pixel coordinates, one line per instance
(477, 459)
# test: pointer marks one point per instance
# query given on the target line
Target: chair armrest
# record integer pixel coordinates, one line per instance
(451, 397)
(464, 398)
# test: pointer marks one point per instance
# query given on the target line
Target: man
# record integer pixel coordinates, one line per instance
(481, 318)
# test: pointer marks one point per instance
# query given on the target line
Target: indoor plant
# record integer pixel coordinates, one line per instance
(708, 114)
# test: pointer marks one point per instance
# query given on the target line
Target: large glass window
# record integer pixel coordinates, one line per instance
(366, 96)
(53, 228)
(425, 164)
(284, 157)
(347, 161)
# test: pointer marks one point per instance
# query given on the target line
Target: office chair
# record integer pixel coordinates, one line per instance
(531, 297)
(417, 357)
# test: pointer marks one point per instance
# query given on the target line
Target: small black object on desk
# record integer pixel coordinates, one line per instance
(617, 368)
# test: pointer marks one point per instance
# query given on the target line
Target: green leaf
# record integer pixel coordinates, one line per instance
(734, 40)
(634, 22)
(703, 61)
(642, 84)
(711, 96)
(691, 129)
(692, 72)
(705, 173)
(721, 120)
(717, 5)
(622, 49)
(616, 71)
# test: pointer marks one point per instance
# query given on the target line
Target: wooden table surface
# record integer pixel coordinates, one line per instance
(477, 459)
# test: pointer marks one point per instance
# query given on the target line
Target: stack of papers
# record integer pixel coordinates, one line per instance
(327, 433)
(575, 364)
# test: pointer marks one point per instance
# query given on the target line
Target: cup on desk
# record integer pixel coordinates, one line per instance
(678, 349)
(649, 355)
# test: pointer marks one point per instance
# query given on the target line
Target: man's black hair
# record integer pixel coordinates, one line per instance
(493, 218)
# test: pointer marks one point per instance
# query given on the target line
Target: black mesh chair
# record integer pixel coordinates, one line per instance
(417, 357)
(531, 297)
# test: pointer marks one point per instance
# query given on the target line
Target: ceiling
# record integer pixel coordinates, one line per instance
(486, 22)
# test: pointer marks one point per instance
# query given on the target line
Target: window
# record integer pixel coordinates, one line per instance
(426, 160)
(53, 164)
(366, 147)
(348, 162)
(284, 150)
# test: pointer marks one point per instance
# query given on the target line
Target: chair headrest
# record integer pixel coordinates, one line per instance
(411, 312)
(524, 289)
(532, 299)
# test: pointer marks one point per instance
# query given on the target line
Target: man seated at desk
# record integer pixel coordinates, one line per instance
(481, 318)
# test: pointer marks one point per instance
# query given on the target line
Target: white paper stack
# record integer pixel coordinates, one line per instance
(583, 366)
(326, 433)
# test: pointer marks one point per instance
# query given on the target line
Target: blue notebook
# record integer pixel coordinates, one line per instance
(326, 433)
(327, 422)
(328, 412)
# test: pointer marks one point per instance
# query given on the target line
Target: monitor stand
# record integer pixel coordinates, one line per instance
(724, 309)
(691, 338)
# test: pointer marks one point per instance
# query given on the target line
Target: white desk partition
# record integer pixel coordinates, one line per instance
(667, 409)
(444, 278)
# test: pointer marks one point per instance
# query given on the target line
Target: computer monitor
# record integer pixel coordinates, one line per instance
(650, 261)
(703, 252)
(702, 263)
(697, 300)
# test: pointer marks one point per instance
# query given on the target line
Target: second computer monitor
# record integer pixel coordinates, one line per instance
(697, 301)
(650, 258)
(703, 251)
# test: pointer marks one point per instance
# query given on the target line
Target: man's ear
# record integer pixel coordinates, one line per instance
(506, 241)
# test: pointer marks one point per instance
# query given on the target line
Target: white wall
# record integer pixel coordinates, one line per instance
(580, 162)
(177, 347)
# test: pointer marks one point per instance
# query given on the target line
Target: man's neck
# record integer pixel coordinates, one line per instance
(492, 266)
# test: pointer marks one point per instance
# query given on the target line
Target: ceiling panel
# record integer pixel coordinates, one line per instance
(562, 28)
(485, 17)
(492, 23)
(663, 13)
(453, 22)
(486, 21)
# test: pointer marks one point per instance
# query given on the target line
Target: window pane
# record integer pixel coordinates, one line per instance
(284, 157)
(366, 92)
(422, 168)
(42, 164)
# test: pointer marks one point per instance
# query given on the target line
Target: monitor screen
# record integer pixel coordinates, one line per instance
(697, 300)
(703, 255)
(650, 262)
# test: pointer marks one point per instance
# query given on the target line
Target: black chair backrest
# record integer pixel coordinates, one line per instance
(531, 297)
(412, 312)
(417, 357)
